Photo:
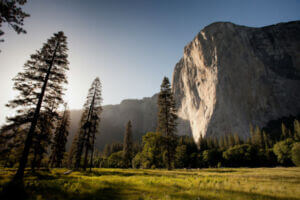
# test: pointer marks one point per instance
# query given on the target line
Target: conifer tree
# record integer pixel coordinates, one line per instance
(266, 140)
(258, 137)
(297, 130)
(89, 123)
(230, 139)
(237, 139)
(12, 14)
(42, 137)
(284, 132)
(167, 119)
(127, 146)
(58, 147)
(40, 89)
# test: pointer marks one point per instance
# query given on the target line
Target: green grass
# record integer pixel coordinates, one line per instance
(204, 184)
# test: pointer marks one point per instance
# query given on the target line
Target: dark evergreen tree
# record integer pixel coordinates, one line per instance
(58, 147)
(202, 143)
(128, 146)
(42, 138)
(40, 89)
(89, 123)
(297, 130)
(167, 119)
(237, 140)
(12, 14)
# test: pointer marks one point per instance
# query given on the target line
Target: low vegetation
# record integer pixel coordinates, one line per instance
(204, 184)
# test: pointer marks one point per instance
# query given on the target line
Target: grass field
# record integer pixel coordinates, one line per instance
(203, 184)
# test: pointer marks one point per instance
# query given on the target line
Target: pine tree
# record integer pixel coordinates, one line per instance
(230, 139)
(221, 142)
(40, 89)
(42, 137)
(202, 142)
(258, 137)
(127, 146)
(167, 119)
(12, 14)
(266, 140)
(89, 123)
(237, 140)
(297, 130)
(284, 132)
(58, 147)
(252, 135)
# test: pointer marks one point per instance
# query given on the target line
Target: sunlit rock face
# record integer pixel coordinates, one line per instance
(231, 76)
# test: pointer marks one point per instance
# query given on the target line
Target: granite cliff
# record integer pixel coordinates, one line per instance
(231, 76)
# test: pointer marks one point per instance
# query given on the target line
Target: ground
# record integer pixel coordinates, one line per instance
(139, 184)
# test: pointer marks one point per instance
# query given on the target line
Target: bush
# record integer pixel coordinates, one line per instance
(211, 157)
(137, 161)
(115, 160)
(240, 155)
(181, 156)
(282, 150)
(296, 154)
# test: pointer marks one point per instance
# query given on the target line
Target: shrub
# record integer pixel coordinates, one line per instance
(282, 150)
(115, 160)
(296, 154)
(181, 156)
(211, 157)
(137, 161)
(240, 155)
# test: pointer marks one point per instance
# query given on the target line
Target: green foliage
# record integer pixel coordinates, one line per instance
(128, 146)
(240, 155)
(297, 130)
(115, 160)
(181, 156)
(152, 153)
(166, 124)
(137, 161)
(282, 150)
(296, 153)
(58, 147)
(212, 157)
(132, 184)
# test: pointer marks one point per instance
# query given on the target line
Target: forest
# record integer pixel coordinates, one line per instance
(33, 141)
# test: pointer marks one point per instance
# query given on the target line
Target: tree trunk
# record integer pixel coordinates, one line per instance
(86, 150)
(92, 153)
(23, 161)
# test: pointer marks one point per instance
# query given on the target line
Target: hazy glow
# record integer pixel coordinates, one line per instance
(130, 45)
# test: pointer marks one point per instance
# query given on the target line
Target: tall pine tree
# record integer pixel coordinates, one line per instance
(40, 88)
(127, 146)
(167, 120)
(89, 123)
(58, 147)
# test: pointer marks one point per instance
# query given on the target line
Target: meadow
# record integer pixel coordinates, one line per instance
(140, 184)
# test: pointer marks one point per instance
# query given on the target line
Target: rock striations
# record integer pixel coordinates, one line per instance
(232, 76)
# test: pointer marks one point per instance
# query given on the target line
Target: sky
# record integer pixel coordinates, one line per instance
(129, 44)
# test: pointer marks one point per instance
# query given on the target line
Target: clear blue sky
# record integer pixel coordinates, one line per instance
(129, 44)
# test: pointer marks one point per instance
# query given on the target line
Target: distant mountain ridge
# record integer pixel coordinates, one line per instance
(142, 113)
